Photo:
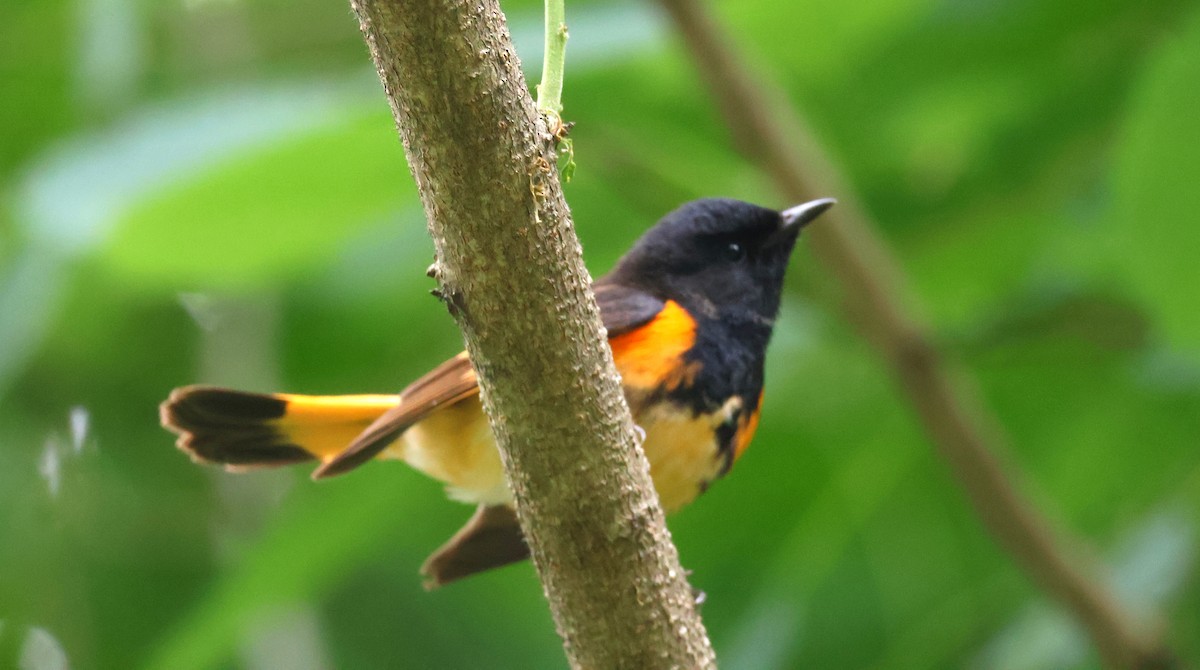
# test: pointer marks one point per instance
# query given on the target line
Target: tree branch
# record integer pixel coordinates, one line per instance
(511, 272)
(881, 304)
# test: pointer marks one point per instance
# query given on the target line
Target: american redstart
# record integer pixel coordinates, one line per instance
(689, 311)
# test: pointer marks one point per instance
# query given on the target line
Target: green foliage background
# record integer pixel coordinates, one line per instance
(211, 190)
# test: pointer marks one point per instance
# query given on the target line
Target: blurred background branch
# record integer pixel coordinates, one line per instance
(878, 298)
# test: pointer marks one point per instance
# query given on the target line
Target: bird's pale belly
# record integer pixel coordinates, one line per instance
(456, 446)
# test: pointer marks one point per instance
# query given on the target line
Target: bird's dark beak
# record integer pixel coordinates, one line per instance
(796, 218)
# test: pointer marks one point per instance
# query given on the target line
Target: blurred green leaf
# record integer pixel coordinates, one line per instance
(35, 59)
(821, 43)
(273, 213)
(1157, 199)
(324, 533)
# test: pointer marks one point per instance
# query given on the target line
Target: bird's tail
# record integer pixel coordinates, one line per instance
(248, 430)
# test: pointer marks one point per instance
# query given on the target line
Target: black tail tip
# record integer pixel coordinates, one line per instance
(206, 405)
(231, 428)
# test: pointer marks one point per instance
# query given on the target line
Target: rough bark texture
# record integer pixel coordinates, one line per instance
(880, 302)
(511, 272)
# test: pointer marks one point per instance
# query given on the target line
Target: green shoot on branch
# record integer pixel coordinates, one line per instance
(549, 92)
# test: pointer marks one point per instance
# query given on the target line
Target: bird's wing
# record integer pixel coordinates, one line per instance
(446, 384)
(621, 309)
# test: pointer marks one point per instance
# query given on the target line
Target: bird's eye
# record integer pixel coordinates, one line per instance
(734, 251)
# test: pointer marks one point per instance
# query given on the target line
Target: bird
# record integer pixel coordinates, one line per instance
(689, 311)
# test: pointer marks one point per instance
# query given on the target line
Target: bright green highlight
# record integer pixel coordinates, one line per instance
(553, 61)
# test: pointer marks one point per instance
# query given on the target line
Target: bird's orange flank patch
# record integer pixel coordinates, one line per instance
(746, 427)
(652, 355)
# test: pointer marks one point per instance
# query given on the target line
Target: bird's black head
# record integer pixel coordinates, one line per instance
(722, 259)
